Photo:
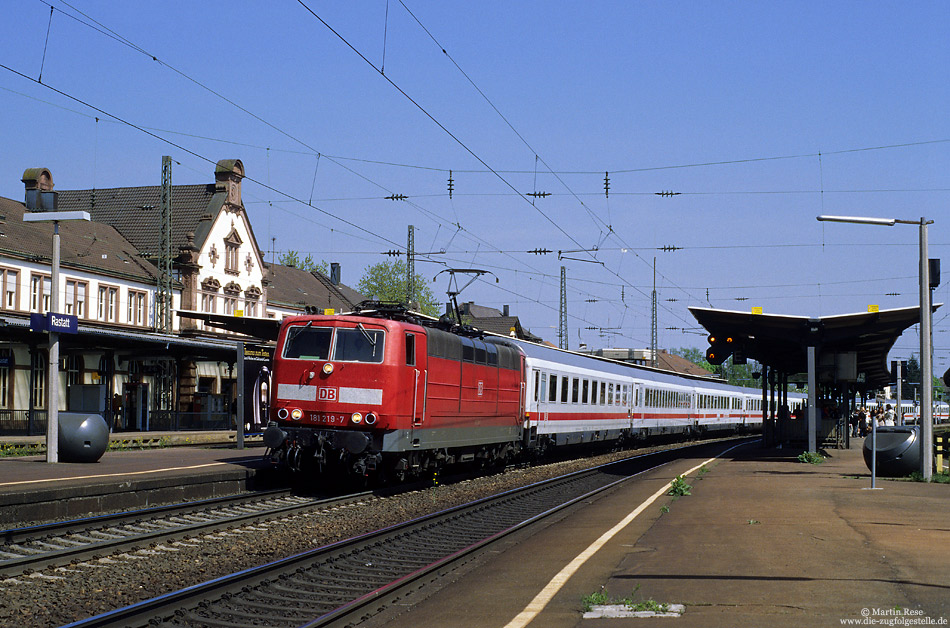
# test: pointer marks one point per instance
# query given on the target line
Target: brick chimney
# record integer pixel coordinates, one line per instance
(39, 190)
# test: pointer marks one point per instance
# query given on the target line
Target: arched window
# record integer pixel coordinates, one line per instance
(105, 369)
(209, 295)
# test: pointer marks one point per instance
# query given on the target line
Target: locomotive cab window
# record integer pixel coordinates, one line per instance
(410, 349)
(358, 345)
(308, 343)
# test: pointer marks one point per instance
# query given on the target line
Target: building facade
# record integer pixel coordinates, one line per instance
(118, 363)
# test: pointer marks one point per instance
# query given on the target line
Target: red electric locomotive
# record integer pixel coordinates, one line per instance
(378, 392)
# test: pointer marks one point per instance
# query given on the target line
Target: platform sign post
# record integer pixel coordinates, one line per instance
(812, 399)
(926, 342)
(873, 452)
(54, 322)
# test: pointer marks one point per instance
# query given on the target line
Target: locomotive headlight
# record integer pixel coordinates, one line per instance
(296, 413)
(327, 368)
(370, 418)
(282, 413)
(357, 417)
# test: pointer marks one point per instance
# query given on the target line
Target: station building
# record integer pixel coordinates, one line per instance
(119, 362)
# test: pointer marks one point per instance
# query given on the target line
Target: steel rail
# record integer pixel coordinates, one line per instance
(288, 577)
(56, 544)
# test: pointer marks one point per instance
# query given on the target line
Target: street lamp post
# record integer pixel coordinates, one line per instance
(52, 411)
(926, 354)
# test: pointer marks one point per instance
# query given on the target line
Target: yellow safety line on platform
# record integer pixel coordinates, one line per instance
(540, 601)
(111, 475)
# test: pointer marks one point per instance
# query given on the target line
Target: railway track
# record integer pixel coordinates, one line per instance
(339, 583)
(49, 545)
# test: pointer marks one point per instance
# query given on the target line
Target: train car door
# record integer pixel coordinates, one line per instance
(637, 412)
(542, 403)
(416, 359)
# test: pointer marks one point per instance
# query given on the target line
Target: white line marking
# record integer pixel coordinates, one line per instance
(540, 601)
(112, 475)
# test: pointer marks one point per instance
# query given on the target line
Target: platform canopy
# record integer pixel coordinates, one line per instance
(782, 342)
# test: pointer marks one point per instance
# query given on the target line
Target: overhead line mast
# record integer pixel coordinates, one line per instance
(411, 267)
(163, 300)
(562, 326)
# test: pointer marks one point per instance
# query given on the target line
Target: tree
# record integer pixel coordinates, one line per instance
(735, 374)
(913, 376)
(386, 281)
(290, 258)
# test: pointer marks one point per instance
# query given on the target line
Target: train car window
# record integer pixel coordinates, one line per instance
(565, 383)
(468, 350)
(585, 389)
(552, 391)
(603, 393)
(410, 349)
(537, 383)
(544, 387)
(492, 354)
(358, 345)
(481, 355)
(610, 394)
(308, 343)
(575, 389)
(625, 394)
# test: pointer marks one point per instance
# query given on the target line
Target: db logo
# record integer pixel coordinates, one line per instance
(326, 394)
(481, 388)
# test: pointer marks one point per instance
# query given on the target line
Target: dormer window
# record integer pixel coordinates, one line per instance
(232, 248)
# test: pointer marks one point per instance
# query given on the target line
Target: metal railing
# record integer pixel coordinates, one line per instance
(21, 423)
(26, 423)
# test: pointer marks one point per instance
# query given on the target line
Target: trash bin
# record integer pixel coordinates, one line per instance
(83, 437)
(898, 450)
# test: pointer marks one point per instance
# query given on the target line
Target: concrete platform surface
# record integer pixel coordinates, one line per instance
(32, 490)
(763, 540)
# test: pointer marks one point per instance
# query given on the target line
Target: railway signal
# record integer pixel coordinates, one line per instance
(721, 346)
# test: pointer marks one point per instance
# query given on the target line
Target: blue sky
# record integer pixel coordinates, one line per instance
(760, 115)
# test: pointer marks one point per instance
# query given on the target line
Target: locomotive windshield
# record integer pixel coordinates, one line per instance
(308, 343)
(358, 345)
